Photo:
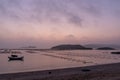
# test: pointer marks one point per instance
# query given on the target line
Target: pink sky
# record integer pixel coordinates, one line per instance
(45, 23)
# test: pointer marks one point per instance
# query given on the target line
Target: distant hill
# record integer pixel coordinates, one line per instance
(103, 45)
(70, 47)
(105, 48)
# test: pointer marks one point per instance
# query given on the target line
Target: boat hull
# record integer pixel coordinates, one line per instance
(15, 58)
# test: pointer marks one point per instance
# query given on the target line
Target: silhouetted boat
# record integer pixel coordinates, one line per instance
(15, 57)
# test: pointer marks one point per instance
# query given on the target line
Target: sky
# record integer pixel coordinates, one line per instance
(45, 23)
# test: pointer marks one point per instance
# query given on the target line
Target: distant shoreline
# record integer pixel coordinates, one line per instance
(91, 72)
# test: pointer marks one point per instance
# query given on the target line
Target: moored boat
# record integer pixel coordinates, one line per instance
(15, 57)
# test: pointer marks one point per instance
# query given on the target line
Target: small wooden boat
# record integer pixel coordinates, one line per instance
(15, 57)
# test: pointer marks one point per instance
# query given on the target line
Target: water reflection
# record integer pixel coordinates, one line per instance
(43, 60)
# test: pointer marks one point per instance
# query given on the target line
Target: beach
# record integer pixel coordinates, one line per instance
(98, 72)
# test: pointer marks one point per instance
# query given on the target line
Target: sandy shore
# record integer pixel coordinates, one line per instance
(99, 72)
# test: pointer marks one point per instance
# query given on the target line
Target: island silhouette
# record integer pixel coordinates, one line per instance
(70, 47)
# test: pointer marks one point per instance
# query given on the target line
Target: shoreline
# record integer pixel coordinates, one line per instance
(89, 72)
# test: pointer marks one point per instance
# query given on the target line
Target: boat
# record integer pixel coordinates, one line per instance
(15, 57)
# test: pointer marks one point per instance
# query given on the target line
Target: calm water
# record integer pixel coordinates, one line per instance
(45, 60)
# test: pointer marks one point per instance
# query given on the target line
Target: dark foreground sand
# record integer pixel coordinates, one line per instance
(100, 72)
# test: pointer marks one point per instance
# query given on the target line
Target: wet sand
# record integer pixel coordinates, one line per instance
(99, 72)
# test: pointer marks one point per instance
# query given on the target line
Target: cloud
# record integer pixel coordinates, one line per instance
(39, 10)
(91, 9)
(55, 11)
(70, 36)
(10, 9)
(75, 20)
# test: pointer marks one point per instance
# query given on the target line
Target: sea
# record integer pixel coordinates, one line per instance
(51, 59)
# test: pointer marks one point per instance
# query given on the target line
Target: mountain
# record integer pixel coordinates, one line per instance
(105, 48)
(70, 47)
